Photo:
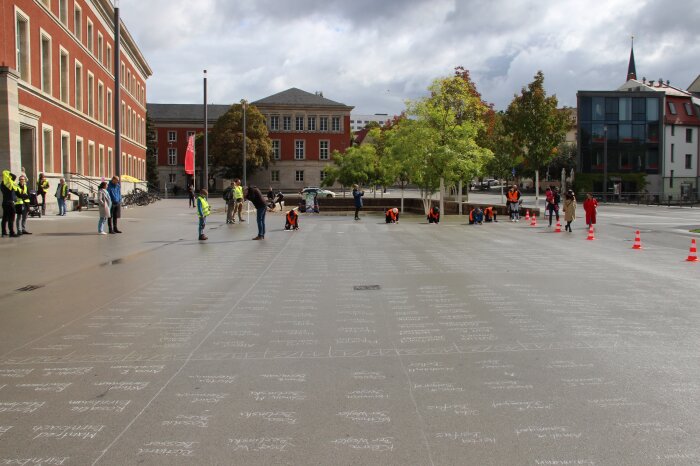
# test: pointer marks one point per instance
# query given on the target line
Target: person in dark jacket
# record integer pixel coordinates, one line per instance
(42, 189)
(22, 206)
(357, 195)
(9, 197)
(254, 195)
(114, 190)
(434, 215)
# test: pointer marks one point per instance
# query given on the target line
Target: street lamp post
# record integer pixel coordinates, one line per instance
(244, 104)
(117, 92)
(605, 162)
(206, 135)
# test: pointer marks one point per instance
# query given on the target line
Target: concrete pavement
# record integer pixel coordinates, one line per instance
(350, 342)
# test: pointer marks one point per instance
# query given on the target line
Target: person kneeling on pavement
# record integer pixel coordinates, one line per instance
(490, 214)
(292, 220)
(476, 216)
(434, 215)
(392, 215)
(203, 212)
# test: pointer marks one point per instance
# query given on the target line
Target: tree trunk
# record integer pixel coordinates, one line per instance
(537, 187)
(402, 198)
(459, 198)
(442, 195)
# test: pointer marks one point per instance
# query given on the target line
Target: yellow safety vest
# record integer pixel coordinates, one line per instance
(238, 192)
(205, 207)
(21, 193)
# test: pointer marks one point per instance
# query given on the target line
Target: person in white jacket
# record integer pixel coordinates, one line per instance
(104, 202)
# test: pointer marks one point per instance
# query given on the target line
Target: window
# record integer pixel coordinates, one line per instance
(673, 130)
(689, 135)
(598, 108)
(110, 162)
(611, 108)
(100, 47)
(100, 101)
(63, 11)
(672, 108)
(89, 31)
(323, 150)
(45, 63)
(323, 175)
(672, 152)
(276, 149)
(274, 123)
(90, 94)
(172, 177)
(688, 109)
(172, 156)
(189, 135)
(323, 124)
(122, 73)
(63, 74)
(172, 136)
(311, 123)
(335, 124)
(639, 109)
(109, 57)
(670, 181)
(123, 117)
(652, 109)
(101, 168)
(286, 123)
(78, 23)
(275, 175)
(65, 152)
(299, 123)
(110, 103)
(299, 175)
(47, 141)
(299, 149)
(79, 155)
(22, 46)
(78, 86)
(688, 161)
(91, 158)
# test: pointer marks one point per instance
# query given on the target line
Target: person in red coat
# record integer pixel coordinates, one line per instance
(590, 206)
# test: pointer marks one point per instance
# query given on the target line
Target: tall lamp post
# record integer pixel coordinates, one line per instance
(206, 136)
(117, 92)
(244, 104)
(605, 162)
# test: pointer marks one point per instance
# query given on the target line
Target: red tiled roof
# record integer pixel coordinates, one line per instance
(682, 105)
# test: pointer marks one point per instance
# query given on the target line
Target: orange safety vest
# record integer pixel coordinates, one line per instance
(292, 218)
(488, 212)
(512, 196)
(390, 213)
(432, 214)
(471, 215)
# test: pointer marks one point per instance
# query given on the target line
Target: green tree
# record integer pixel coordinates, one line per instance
(226, 142)
(536, 126)
(151, 154)
(355, 165)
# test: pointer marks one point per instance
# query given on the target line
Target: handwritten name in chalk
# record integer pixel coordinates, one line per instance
(379, 444)
(548, 432)
(25, 407)
(37, 460)
(467, 438)
(190, 421)
(366, 394)
(294, 332)
(260, 444)
(83, 406)
(234, 344)
(568, 365)
(678, 456)
(45, 387)
(356, 330)
(615, 402)
(125, 370)
(564, 462)
(428, 367)
(285, 377)
(82, 432)
(416, 318)
(113, 346)
(212, 379)
(367, 375)
(165, 451)
(523, 405)
(241, 333)
(494, 364)
(123, 386)
(208, 398)
(58, 347)
(351, 341)
(279, 396)
(294, 342)
(508, 385)
(461, 409)
(591, 381)
(651, 427)
(297, 314)
(15, 373)
(437, 387)
(372, 417)
(283, 417)
(65, 371)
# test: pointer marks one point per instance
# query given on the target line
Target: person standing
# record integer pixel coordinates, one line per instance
(104, 202)
(42, 186)
(61, 196)
(513, 202)
(203, 212)
(22, 206)
(114, 190)
(569, 209)
(190, 194)
(9, 196)
(357, 195)
(553, 200)
(238, 197)
(590, 206)
(230, 202)
(254, 195)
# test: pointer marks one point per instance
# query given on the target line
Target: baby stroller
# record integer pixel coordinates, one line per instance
(34, 206)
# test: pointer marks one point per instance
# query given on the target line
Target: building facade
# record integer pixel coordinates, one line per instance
(305, 129)
(57, 91)
(172, 125)
(359, 121)
(645, 127)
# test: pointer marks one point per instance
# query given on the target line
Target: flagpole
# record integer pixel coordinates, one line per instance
(194, 165)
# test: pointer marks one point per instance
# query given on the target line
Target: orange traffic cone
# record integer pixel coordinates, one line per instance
(533, 221)
(558, 228)
(527, 215)
(637, 241)
(693, 254)
(591, 234)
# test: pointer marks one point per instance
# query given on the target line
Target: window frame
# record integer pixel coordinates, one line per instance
(286, 122)
(100, 47)
(335, 124)
(25, 71)
(89, 33)
(672, 108)
(299, 176)
(274, 122)
(65, 135)
(297, 148)
(63, 81)
(78, 25)
(110, 104)
(100, 101)
(174, 136)
(311, 123)
(299, 123)
(689, 135)
(80, 155)
(63, 12)
(323, 123)
(46, 147)
(274, 176)
(276, 149)
(91, 158)
(689, 161)
(321, 149)
(44, 80)
(90, 94)
(172, 156)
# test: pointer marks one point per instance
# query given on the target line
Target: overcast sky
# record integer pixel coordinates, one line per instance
(375, 54)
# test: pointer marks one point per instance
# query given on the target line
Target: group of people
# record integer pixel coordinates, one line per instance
(233, 196)
(234, 206)
(15, 204)
(553, 199)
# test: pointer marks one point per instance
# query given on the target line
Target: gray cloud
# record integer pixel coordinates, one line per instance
(375, 55)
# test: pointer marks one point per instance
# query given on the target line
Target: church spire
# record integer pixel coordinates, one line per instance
(631, 69)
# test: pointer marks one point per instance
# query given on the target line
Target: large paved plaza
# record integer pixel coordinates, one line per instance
(350, 343)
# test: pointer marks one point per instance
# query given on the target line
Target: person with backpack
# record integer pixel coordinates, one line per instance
(230, 202)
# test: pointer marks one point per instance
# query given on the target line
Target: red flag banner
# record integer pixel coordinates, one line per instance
(189, 156)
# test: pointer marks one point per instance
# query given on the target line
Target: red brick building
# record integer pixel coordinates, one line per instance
(57, 91)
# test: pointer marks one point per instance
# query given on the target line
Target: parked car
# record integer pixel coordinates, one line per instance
(320, 192)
